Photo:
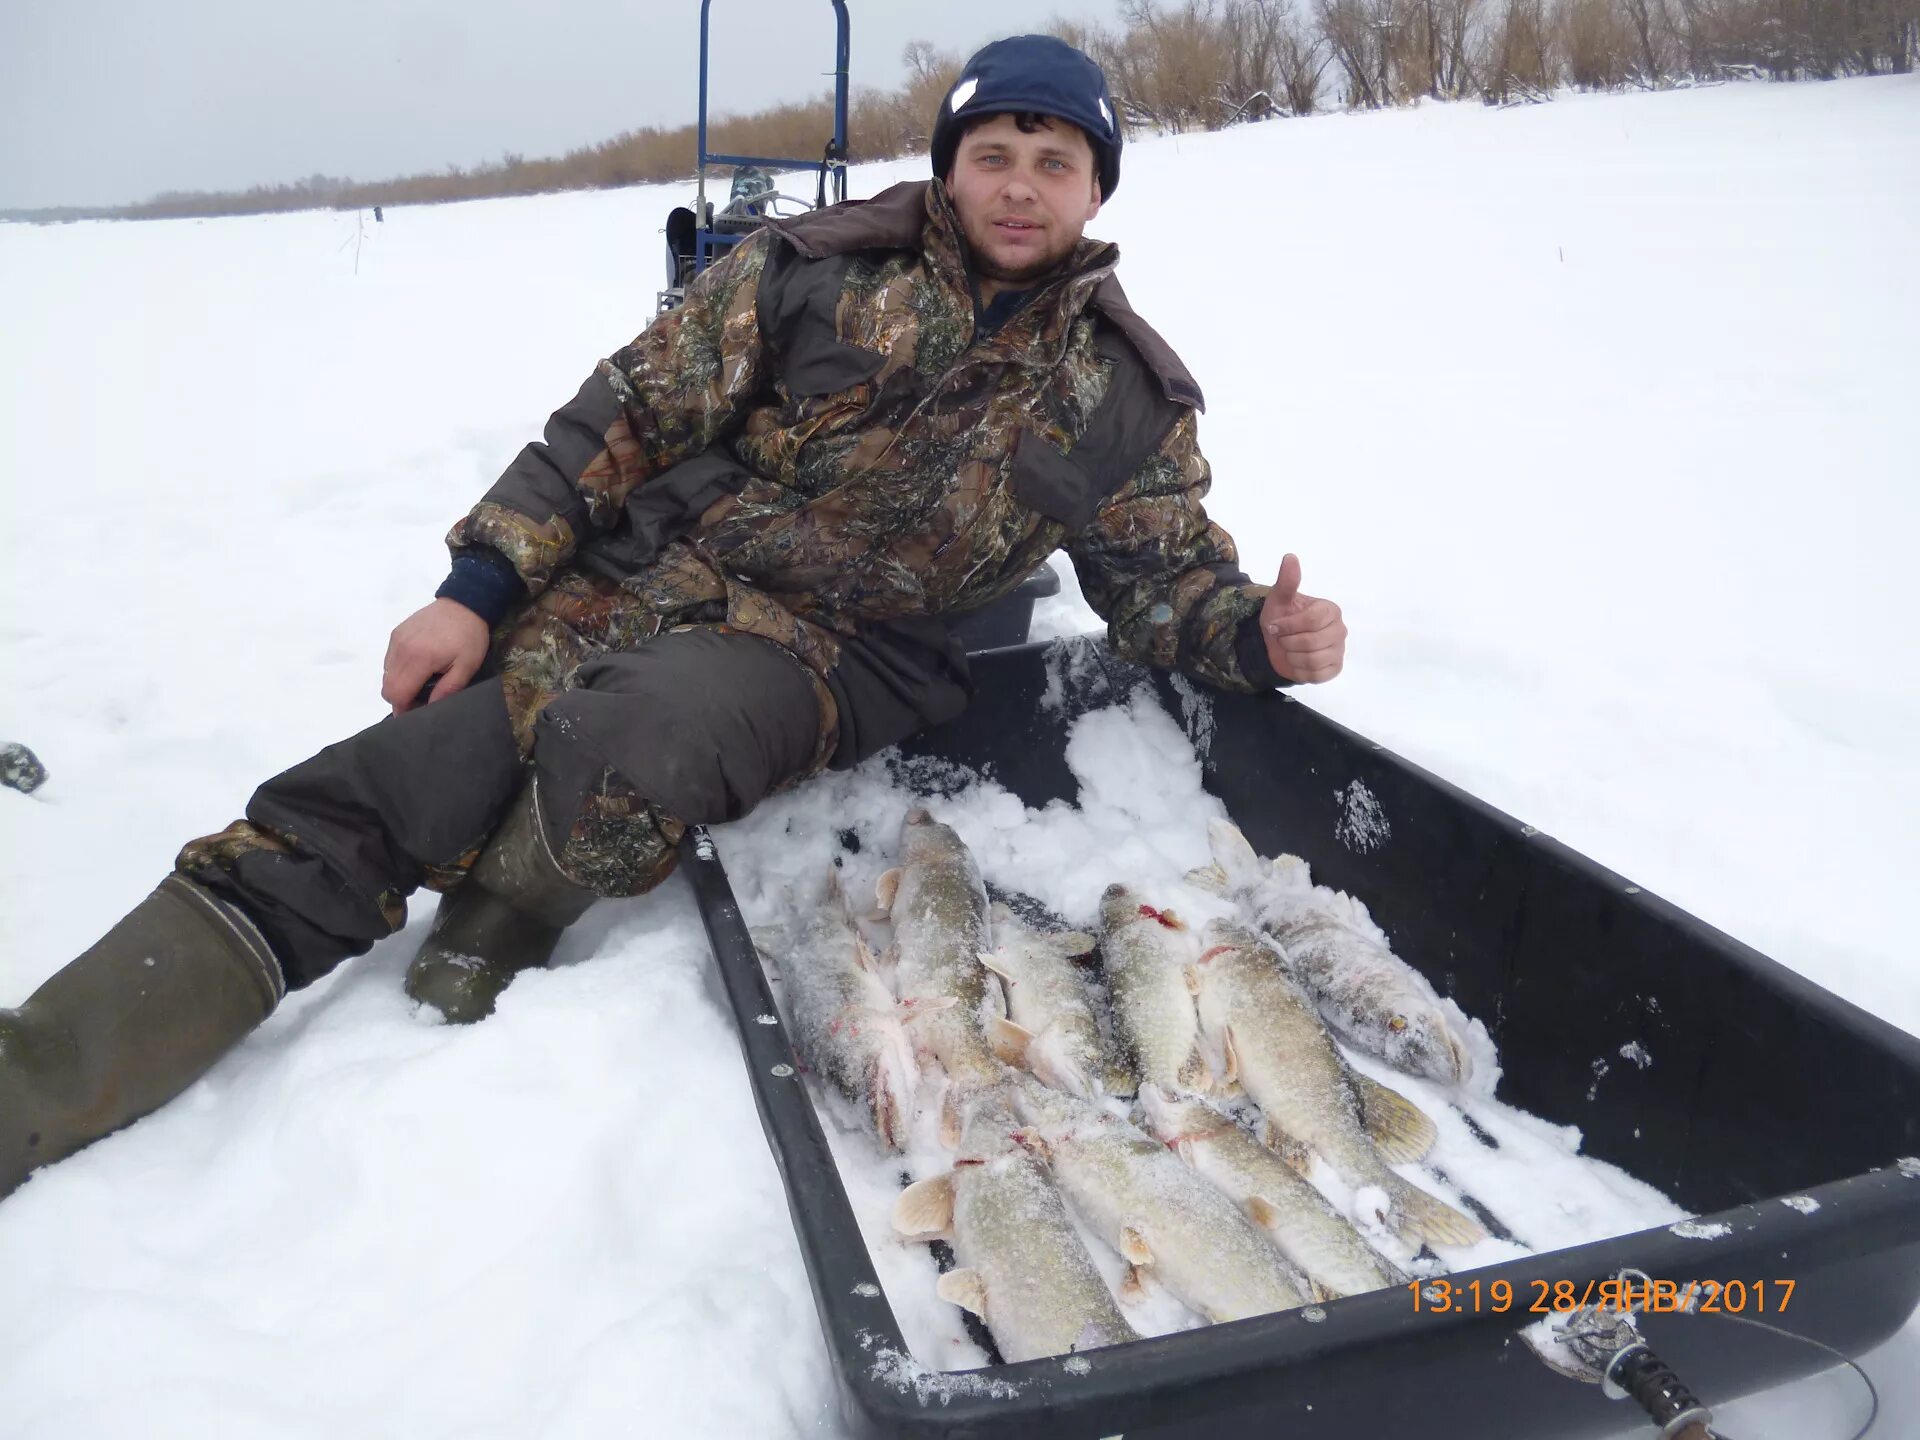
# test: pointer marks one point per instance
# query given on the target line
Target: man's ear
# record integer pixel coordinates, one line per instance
(1093, 207)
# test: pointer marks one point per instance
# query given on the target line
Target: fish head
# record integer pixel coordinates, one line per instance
(923, 838)
(1421, 1042)
(1121, 906)
(1170, 1116)
(1234, 943)
(989, 1130)
(1049, 1114)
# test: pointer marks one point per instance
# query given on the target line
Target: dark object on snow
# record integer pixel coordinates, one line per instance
(1006, 621)
(20, 769)
(1763, 1086)
(507, 916)
(378, 218)
(129, 1025)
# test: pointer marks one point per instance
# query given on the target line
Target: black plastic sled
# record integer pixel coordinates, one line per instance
(1767, 1086)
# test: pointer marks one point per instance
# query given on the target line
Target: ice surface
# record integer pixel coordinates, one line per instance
(1589, 414)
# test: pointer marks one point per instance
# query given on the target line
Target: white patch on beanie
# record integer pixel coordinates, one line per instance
(962, 93)
(1106, 114)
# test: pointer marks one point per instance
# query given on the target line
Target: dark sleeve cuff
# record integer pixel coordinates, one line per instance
(1250, 649)
(483, 580)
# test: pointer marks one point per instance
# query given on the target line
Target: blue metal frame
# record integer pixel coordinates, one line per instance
(709, 244)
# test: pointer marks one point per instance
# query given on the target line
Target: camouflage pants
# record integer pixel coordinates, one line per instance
(631, 733)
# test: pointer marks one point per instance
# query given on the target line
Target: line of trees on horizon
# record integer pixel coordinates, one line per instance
(1183, 65)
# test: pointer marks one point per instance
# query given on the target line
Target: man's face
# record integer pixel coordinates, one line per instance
(1023, 200)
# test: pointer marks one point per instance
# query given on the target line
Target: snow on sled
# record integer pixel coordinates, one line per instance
(1776, 1118)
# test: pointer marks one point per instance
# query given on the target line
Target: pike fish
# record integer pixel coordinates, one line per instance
(1273, 1043)
(938, 905)
(1334, 1256)
(1050, 1027)
(1368, 996)
(849, 1030)
(1164, 1219)
(1147, 952)
(1021, 1266)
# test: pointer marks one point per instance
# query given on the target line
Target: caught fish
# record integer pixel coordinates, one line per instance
(1147, 952)
(1273, 1043)
(1368, 996)
(846, 1023)
(938, 905)
(1167, 1221)
(1050, 1027)
(1334, 1256)
(1020, 1264)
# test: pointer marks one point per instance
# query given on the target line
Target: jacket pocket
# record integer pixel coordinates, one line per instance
(1048, 481)
(820, 364)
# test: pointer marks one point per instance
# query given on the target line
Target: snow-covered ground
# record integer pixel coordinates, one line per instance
(1597, 417)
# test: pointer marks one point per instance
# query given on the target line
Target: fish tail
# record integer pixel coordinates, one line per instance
(1423, 1217)
(1401, 1131)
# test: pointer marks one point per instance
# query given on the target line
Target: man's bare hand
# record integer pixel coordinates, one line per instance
(444, 642)
(1306, 638)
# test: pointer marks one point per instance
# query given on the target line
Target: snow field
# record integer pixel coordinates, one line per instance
(1596, 417)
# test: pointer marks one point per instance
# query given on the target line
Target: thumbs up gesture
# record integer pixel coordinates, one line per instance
(1306, 638)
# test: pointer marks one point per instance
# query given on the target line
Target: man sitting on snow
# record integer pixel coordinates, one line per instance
(727, 567)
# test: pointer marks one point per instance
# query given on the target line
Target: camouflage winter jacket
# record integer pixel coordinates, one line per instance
(819, 447)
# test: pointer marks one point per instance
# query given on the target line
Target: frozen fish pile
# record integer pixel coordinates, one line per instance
(994, 1029)
(1135, 1076)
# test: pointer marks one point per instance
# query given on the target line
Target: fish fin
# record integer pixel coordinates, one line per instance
(1420, 1216)
(1072, 942)
(1118, 1079)
(1296, 1156)
(1260, 1210)
(1230, 1057)
(1210, 878)
(1400, 1130)
(965, 1288)
(1195, 1074)
(1033, 1142)
(1133, 1286)
(1191, 974)
(1134, 1246)
(909, 1011)
(925, 1207)
(863, 954)
(1173, 921)
(884, 891)
(890, 1109)
(1010, 1042)
(1321, 1292)
(950, 1122)
(1001, 913)
(890, 957)
(997, 964)
(1232, 851)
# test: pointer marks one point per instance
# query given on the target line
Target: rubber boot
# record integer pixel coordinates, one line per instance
(505, 917)
(130, 1024)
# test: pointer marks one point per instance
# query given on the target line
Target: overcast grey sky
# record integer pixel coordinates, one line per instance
(106, 101)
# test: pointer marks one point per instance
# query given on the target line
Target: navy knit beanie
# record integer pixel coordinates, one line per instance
(1037, 73)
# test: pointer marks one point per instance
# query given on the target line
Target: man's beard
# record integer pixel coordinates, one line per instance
(1037, 268)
